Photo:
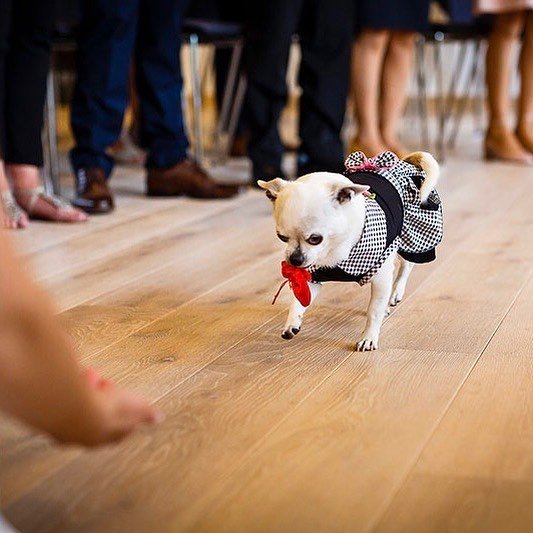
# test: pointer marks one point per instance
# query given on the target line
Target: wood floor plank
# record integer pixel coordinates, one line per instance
(177, 459)
(70, 257)
(476, 472)
(175, 245)
(128, 186)
(131, 202)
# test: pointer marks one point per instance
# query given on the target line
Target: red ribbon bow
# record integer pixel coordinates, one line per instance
(359, 161)
(298, 279)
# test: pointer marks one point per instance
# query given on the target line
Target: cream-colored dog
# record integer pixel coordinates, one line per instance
(326, 219)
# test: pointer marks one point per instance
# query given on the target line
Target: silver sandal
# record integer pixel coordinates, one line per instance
(39, 193)
(12, 210)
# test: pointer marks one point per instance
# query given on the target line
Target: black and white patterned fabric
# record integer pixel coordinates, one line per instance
(422, 224)
(359, 161)
(415, 236)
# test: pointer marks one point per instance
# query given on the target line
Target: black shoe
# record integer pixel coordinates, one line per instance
(306, 165)
(266, 173)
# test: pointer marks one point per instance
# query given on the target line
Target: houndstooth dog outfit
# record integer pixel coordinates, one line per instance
(395, 220)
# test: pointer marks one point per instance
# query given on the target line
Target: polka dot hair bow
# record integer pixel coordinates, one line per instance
(359, 161)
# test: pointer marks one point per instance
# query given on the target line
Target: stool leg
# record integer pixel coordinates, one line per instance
(478, 106)
(441, 112)
(451, 99)
(470, 85)
(196, 98)
(236, 109)
(50, 151)
(223, 123)
(422, 93)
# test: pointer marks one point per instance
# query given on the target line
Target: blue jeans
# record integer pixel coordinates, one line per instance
(113, 33)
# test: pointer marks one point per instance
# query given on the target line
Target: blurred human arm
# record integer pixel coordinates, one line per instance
(41, 382)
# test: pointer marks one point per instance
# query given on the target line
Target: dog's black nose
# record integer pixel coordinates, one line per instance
(296, 258)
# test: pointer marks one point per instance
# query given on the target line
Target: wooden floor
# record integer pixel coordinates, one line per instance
(434, 432)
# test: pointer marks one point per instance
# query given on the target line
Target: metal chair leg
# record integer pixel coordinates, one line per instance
(223, 133)
(50, 150)
(441, 112)
(196, 98)
(462, 104)
(236, 110)
(457, 74)
(422, 93)
(478, 106)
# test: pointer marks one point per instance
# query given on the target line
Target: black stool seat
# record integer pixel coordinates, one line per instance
(212, 30)
(457, 31)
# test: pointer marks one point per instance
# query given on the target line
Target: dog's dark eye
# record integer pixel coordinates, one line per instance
(283, 238)
(315, 239)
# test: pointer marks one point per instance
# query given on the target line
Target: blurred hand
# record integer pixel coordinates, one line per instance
(122, 411)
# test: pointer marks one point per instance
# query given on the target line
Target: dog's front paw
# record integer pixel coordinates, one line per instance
(367, 344)
(396, 297)
(290, 331)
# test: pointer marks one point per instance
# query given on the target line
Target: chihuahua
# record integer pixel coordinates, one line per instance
(352, 227)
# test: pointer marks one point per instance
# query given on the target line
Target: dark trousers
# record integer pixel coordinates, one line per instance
(325, 32)
(26, 28)
(112, 34)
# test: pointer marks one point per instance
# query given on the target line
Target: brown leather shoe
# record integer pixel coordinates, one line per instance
(186, 178)
(92, 193)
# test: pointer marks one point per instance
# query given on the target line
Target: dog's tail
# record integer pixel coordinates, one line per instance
(429, 165)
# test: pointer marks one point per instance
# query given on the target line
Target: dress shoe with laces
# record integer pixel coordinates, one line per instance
(92, 193)
(186, 178)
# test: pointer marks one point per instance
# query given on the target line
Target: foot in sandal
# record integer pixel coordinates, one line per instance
(31, 197)
(42, 206)
(11, 215)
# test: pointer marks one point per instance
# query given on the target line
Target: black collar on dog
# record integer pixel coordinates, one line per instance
(390, 202)
(387, 197)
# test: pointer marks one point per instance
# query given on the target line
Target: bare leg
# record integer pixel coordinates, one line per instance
(377, 308)
(397, 68)
(27, 178)
(500, 141)
(525, 106)
(400, 282)
(296, 313)
(8, 218)
(367, 60)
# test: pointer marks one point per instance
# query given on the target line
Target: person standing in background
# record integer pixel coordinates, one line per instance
(26, 28)
(512, 22)
(111, 35)
(324, 30)
(382, 60)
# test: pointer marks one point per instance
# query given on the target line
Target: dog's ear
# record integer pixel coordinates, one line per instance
(272, 187)
(344, 194)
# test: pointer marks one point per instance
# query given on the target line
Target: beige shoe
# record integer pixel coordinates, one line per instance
(504, 146)
(526, 142)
